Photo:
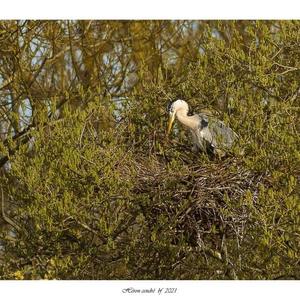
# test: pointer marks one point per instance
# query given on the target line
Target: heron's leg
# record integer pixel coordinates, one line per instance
(195, 148)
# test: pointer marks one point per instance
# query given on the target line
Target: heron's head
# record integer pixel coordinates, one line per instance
(173, 108)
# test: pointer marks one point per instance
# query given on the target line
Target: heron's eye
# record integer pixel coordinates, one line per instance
(204, 123)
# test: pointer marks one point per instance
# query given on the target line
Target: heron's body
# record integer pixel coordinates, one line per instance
(208, 134)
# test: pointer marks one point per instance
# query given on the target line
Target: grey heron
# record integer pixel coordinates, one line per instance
(209, 134)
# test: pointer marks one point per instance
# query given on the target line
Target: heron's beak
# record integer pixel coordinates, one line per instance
(170, 123)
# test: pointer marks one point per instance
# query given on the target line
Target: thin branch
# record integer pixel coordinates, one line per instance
(5, 217)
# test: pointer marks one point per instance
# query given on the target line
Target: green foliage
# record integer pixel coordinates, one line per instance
(99, 191)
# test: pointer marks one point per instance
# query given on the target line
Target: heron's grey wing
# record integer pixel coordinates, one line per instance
(222, 135)
(202, 136)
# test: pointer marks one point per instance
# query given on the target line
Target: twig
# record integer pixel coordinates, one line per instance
(5, 217)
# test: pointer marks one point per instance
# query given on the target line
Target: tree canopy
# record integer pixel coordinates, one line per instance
(92, 188)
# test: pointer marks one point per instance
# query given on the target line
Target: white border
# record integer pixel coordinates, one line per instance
(150, 9)
(85, 290)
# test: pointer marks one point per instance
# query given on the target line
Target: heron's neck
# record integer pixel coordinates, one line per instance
(188, 121)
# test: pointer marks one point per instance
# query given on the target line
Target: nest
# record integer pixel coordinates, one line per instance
(202, 202)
